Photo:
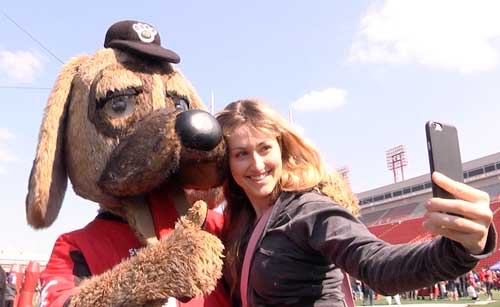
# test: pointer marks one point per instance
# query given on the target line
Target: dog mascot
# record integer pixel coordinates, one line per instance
(128, 130)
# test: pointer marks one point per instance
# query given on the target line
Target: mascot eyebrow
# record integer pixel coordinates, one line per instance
(114, 80)
(111, 95)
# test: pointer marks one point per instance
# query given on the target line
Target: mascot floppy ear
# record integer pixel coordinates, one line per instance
(48, 178)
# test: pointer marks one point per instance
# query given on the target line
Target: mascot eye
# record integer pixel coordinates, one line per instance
(120, 103)
(120, 106)
(181, 104)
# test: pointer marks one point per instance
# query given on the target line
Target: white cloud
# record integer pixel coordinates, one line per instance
(326, 100)
(5, 155)
(460, 35)
(5, 134)
(20, 66)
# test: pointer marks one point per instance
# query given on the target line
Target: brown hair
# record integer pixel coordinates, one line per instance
(303, 169)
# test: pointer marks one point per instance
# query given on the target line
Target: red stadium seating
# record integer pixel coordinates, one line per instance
(372, 218)
(398, 214)
(411, 230)
(379, 230)
(406, 231)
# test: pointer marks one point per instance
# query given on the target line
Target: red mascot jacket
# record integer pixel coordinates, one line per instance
(104, 243)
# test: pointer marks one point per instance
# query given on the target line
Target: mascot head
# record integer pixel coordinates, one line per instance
(119, 124)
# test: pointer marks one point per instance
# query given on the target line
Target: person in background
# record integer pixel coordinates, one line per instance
(495, 279)
(463, 283)
(3, 284)
(472, 286)
(396, 298)
(488, 282)
(10, 290)
(433, 292)
(452, 289)
(411, 295)
(368, 295)
(308, 239)
(357, 289)
(442, 289)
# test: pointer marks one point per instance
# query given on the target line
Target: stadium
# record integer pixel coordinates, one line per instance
(394, 212)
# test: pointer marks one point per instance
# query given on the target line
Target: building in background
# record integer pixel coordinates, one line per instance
(394, 212)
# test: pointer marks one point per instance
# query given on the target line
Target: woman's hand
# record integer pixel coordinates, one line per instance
(470, 216)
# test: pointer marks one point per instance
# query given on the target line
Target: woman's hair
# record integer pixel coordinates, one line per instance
(303, 170)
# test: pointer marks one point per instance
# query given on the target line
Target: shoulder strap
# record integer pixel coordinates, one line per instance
(252, 243)
(347, 289)
(249, 252)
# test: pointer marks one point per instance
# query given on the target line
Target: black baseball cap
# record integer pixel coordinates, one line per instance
(138, 37)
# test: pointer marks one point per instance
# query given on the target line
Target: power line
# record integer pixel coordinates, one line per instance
(32, 37)
(23, 87)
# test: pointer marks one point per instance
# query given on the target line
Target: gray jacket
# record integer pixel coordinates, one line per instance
(308, 240)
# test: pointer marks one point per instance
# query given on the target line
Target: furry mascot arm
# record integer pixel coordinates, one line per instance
(185, 258)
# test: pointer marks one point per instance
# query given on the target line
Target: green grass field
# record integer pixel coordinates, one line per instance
(481, 302)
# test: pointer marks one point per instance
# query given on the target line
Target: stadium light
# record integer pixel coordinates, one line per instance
(396, 160)
(344, 173)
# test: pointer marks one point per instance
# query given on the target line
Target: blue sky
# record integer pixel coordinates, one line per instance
(359, 76)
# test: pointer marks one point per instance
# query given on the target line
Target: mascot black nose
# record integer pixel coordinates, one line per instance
(198, 130)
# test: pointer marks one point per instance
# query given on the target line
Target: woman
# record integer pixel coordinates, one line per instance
(309, 239)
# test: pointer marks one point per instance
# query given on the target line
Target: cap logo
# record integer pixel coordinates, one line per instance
(145, 32)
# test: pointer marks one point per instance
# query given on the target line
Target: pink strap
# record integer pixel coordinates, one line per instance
(257, 232)
(252, 243)
(347, 289)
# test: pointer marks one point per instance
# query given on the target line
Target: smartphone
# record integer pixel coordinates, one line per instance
(444, 154)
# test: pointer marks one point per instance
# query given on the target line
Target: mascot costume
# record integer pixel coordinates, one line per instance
(130, 133)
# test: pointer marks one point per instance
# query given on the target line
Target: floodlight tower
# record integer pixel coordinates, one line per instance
(396, 160)
(344, 173)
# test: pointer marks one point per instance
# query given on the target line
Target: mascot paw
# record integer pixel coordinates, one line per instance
(195, 216)
(197, 256)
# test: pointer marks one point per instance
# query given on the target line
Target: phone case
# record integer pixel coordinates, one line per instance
(444, 154)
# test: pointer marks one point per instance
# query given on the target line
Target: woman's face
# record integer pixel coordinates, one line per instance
(255, 163)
